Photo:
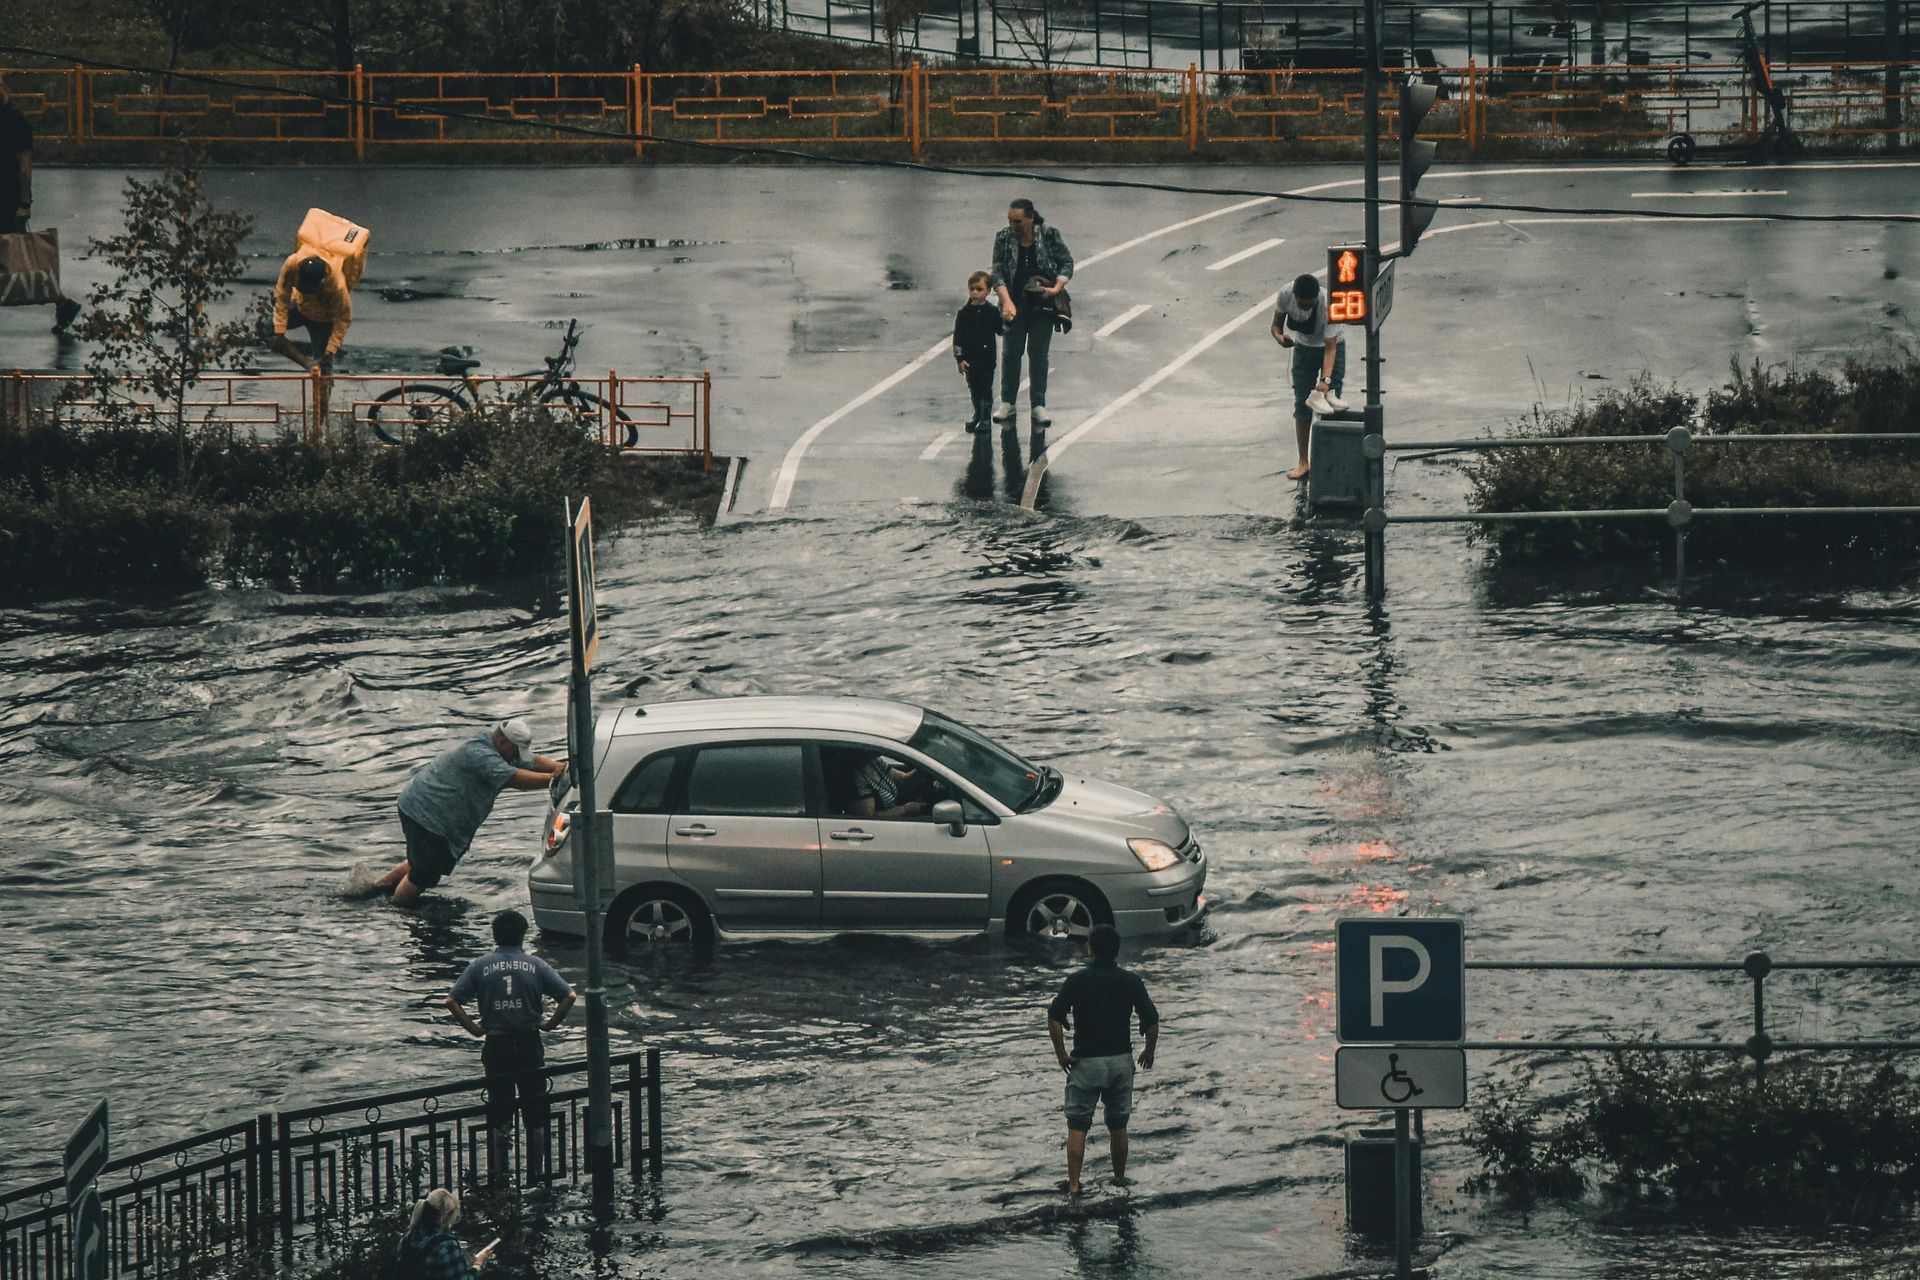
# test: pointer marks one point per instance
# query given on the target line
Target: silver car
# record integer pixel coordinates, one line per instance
(738, 817)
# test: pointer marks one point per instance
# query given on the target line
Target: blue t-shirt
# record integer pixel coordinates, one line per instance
(453, 795)
(509, 984)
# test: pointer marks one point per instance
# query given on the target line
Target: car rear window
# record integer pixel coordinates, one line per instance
(754, 778)
(645, 790)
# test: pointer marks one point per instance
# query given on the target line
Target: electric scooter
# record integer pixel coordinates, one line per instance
(1777, 138)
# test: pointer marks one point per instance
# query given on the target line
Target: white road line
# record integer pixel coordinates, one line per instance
(1698, 195)
(1242, 256)
(1133, 312)
(790, 465)
(940, 442)
(1453, 200)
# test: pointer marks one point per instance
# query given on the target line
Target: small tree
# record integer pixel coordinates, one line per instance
(154, 328)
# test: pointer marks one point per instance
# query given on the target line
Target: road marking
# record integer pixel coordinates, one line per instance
(790, 465)
(1136, 310)
(1699, 195)
(932, 451)
(1242, 256)
(1453, 200)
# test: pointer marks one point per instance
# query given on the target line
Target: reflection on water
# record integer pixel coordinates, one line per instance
(1596, 772)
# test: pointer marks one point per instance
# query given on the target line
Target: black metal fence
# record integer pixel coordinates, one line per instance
(1228, 35)
(290, 1181)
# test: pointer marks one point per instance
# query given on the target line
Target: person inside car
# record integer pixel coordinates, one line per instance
(881, 788)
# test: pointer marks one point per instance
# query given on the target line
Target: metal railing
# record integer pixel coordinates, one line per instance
(1679, 513)
(1757, 966)
(293, 1181)
(1557, 106)
(1219, 35)
(633, 415)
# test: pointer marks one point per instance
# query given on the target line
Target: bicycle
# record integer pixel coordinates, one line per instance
(413, 404)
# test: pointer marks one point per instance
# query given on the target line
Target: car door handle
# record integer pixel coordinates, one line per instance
(697, 829)
(856, 835)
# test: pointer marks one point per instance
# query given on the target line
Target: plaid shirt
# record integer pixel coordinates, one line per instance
(1051, 259)
(437, 1256)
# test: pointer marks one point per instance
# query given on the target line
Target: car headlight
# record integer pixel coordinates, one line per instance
(1154, 855)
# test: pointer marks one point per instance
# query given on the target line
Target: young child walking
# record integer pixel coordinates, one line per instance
(974, 331)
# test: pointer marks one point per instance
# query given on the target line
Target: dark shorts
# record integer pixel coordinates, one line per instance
(1306, 372)
(9, 224)
(429, 856)
(513, 1063)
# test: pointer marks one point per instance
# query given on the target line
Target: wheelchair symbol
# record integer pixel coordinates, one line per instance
(1397, 1086)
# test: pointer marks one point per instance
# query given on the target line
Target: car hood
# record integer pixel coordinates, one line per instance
(1127, 813)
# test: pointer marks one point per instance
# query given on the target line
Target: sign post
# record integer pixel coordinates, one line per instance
(1399, 996)
(584, 635)
(86, 1156)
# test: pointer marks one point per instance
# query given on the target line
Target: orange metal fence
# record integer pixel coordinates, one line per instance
(917, 106)
(632, 415)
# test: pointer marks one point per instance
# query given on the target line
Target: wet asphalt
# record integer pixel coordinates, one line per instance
(815, 295)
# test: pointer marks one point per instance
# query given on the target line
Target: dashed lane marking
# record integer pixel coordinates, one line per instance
(1699, 195)
(940, 442)
(1133, 312)
(1243, 255)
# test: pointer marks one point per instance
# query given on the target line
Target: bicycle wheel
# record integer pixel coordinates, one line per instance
(588, 405)
(394, 413)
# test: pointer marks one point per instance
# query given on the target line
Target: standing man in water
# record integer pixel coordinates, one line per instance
(1100, 998)
(509, 985)
(448, 800)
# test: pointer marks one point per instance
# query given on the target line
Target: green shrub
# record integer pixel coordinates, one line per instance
(1807, 1141)
(1863, 396)
(476, 497)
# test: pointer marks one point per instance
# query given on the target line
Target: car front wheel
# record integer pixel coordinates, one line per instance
(1058, 913)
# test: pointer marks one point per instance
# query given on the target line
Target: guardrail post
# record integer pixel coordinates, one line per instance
(1194, 108)
(610, 415)
(283, 1154)
(636, 114)
(706, 419)
(914, 73)
(1758, 965)
(357, 119)
(1470, 108)
(655, 1154)
(1679, 511)
(78, 107)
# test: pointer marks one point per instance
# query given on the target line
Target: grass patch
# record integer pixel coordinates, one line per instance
(1861, 396)
(476, 497)
(1697, 1136)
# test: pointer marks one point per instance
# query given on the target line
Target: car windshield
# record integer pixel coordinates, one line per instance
(995, 770)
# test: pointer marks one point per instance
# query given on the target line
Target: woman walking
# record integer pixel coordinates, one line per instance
(1031, 266)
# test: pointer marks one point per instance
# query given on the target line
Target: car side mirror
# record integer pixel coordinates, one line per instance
(950, 812)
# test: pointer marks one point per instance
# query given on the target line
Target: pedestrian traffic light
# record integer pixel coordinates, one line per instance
(1416, 157)
(1346, 284)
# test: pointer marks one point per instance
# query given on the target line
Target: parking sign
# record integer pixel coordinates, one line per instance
(1400, 981)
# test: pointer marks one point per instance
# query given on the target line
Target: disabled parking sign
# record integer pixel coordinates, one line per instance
(1400, 982)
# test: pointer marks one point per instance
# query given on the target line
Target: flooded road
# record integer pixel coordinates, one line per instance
(1584, 770)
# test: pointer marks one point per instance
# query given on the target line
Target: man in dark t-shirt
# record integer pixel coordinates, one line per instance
(16, 186)
(1101, 1000)
(511, 988)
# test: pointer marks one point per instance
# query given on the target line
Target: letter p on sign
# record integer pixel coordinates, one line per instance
(1400, 981)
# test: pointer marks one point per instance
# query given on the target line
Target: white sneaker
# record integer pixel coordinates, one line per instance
(1318, 402)
(1041, 418)
(1003, 412)
(1333, 398)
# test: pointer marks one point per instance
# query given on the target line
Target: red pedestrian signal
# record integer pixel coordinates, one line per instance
(1346, 285)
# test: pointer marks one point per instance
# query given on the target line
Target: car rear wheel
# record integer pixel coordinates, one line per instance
(1062, 912)
(650, 919)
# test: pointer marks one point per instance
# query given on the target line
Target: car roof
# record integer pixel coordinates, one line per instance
(895, 720)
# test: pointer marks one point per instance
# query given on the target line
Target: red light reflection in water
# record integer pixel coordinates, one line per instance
(1377, 898)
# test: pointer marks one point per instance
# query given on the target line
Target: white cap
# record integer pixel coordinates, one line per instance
(517, 732)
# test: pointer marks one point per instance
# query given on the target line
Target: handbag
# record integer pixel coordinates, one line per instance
(30, 268)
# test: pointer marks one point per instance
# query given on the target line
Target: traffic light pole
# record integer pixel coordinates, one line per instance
(1374, 437)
